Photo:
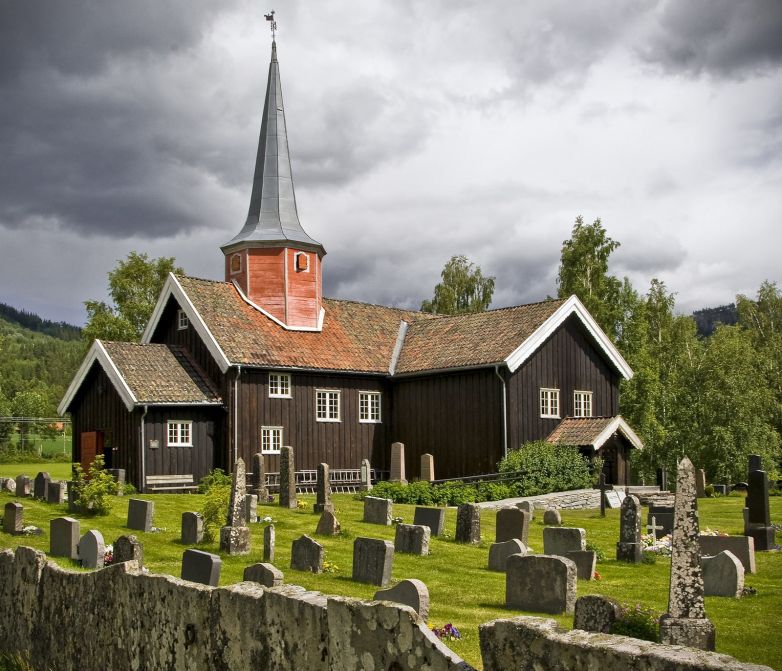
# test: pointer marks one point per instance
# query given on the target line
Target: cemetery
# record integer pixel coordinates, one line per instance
(439, 561)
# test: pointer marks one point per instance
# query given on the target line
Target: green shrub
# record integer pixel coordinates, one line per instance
(215, 510)
(546, 467)
(638, 622)
(218, 477)
(599, 553)
(93, 490)
(709, 491)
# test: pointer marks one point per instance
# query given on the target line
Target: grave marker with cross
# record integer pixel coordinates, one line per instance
(653, 528)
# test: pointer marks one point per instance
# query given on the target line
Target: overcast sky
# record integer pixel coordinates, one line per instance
(418, 130)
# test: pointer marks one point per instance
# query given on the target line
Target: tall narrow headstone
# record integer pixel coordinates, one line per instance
(427, 467)
(629, 547)
(686, 623)
(56, 492)
(40, 485)
(366, 475)
(287, 478)
(128, 548)
(398, 463)
(235, 535)
(662, 479)
(468, 523)
(251, 507)
(602, 486)
(758, 513)
(259, 478)
(201, 567)
(373, 559)
(13, 520)
(92, 549)
(269, 538)
(22, 486)
(700, 483)
(323, 490)
(64, 537)
(192, 528)
(119, 478)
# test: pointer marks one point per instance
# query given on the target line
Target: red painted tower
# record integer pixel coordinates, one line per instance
(272, 260)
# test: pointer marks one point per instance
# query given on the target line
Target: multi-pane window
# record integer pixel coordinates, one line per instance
(369, 406)
(182, 321)
(582, 403)
(279, 385)
(180, 434)
(327, 405)
(271, 439)
(549, 403)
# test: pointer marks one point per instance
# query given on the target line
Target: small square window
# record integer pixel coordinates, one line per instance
(182, 321)
(301, 262)
(582, 403)
(271, 439)
(180, 434)
(236, 263)
(279, 385)
(549, 403)
(327, 405)
(369, 407)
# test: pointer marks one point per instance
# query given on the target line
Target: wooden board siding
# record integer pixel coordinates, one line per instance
(567, 361)
(341, 444)
(266, 279)
(302, 299)
(457, 418)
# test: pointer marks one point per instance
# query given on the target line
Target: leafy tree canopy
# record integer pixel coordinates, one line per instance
(463, 290)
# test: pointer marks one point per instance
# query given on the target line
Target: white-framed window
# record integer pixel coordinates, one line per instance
(236, 264)
(301, 262)
(180, 434)
(549, 403)
(271, 439)
(182, 321)
(279, 385)
(327, 405)
(369, 407)
(582, 403)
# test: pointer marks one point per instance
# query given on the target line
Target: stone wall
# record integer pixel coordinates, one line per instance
(576, 499)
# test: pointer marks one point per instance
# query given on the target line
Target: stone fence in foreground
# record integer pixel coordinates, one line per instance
(122, 618)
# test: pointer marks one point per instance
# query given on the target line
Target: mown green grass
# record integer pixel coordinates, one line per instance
(58, 470)
(462, 590)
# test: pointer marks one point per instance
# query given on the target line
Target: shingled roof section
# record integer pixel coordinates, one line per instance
(160, 373)
(583, 431)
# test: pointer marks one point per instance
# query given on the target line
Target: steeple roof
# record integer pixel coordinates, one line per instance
(273, 219)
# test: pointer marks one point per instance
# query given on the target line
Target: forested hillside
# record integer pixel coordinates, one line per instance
(33, 322)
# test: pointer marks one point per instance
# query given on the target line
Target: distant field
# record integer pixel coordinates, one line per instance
(59, 470)
(44, 446)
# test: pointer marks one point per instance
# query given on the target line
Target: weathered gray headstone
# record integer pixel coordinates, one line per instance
(596, 613)
(427, 467)
(8, 485)
(742, 547)
(235, 540)
(377, 511)
(512, 523)
(40, 485)
(287, 478)
(140, 514)
(398, 463)
(412, 539)
(268, 543)
(540, 583)
(128, 548)
(629, 547)
(366, 475)
(373, 559)
(759, 516)
(552, 517)
(585, 561)
(307, 555)
(561, 540)
(192, 528)
(499, 553)
(267, 575)
(119, 477)
(251, 507)
(259, 478)
(56, 492)
(13, 519)
(64, 537)
(434, 518)
(235, 535)
(22, 485)
(700, 483)
(201, 567)
(411, 593)
(92, 549)
(323, 490)
(663, 516)
(723, 575)
(468, 523)
(328, 525)
(527, 507)
(686, 623)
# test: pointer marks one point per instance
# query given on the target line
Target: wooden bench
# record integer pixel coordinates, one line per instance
(171, 483)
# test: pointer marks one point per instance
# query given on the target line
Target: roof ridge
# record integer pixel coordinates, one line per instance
(507, 308)
(376, 305)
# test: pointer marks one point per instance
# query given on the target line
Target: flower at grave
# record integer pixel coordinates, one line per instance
(330, 567)
(447, 633)
(267, 520)
(29, 530)
(108, 556)
(597, 576)
(397, 520)
(302, 505)
(660, 546)
(270, 498)
(712, 532)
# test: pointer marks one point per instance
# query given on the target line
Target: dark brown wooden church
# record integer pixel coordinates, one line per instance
(229, 369)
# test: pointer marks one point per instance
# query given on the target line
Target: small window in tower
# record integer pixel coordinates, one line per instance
(182, 321)
(302, 262)
(236, 263)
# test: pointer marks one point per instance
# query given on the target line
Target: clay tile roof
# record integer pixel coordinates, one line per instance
(583, 431)
(160, 373)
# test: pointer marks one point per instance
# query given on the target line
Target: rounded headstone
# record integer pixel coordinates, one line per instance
(552, 517)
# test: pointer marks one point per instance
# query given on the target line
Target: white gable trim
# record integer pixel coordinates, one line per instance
(400, 340)
(572, 306)
(618, 424)
(98, 353)
(172, 287)
(255, 306)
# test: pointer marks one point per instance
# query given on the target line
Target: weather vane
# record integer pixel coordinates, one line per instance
(270, 18)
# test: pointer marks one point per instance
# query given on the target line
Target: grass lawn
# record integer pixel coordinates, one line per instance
(59, 470)
(462, 590)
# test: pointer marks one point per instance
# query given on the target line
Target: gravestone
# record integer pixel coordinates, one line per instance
(686, 623)
(22, 486)
(585, 561)
(235, 535)
(499, 553)
(541, 584)
(427, 467)
(366, 475)
(411, 593)
(91, 549)
(8, 485)
(527, 507)
(613, 500)
(653, 528)
(373, 559)
(723, 575)
(722, 490)
(596, 613)
(64, 537)
(251, 508)
(561, 540)
(201, 567)
(742, 547)
(629, 547)
(754, 463)
(40, 485)
(758, 516)
(140, 514)
(13, 519)
(468, 523)
(412, 539)
(287, 478)
(192, 528)
(434, 518)
(235, 540)
(552, 517)
(56, 492)
(377, 511)
(323, 490)
(663, 516)
(398, 463)
(267, 575)
(128, 548)
(700, 483)
(512, 523)
(328, 524)
(269, 540)
(119, 477)
(662, 479)
(73, 495)
(258, 483)
(307, 555)
(603, 487)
